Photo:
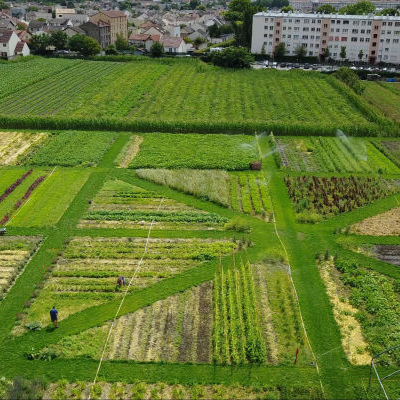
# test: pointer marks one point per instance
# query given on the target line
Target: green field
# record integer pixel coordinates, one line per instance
(239, 283)
(184, 93)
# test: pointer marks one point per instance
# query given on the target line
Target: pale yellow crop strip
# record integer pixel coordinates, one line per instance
(123, 298)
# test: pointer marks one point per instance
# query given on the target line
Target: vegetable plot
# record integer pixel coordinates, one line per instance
(323, 154)
(168, 150)
(314, 197)
(14, 253)
(177, 329)
(122, 205)
(86, 273)
(16, 145)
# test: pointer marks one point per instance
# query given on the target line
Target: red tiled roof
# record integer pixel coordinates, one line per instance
(139, 37)
(174, 42)
(114, 14)
(19, 47)
(155, 38)
(5, 35)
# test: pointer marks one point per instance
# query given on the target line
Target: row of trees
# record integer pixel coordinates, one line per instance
(363, 7)
(301, 52)
(59, 40)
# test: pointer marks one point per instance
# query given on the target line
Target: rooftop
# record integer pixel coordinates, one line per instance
(326, 16)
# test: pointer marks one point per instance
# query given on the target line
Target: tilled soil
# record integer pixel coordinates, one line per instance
(388, 253)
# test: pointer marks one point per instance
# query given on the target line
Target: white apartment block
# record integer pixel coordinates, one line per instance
(377, 36)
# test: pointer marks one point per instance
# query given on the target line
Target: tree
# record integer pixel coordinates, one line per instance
(240, 15)
(111, 50)
(232, 57)
(85, 45)
(156, 49)
(280, 51)
(32, 8)
(59, 40)
(213, 31)
(393, 12)
(360, 55)
(70, 4)
(3, 6)
(350, 78)
(198, 41)
(326, 9)
(39, 43)
(343, 53)
(363, 7)
(193, 4)
(121, 43)
(300, 52)
(287, 9)
(21, 26)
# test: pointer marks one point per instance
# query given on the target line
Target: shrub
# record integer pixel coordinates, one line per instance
(232, 57)
(238, 224)
(350, 78)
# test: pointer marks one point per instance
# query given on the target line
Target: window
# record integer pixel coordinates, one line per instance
(296, 28)
(306, 21)
(368, 31)
(346, 22)
(338, 21)
(344, 39)
(337, 30)
(277, 31)
(295, 36)
(266, 19)
(313, 21)
(363, 22)
(373, 52)
(389, 32)
(356, 22)
(318, 29)
(304, 37)
(387, 40)
(313, 29)
(354, 31)
(271, 28)
(284, 28)
(332, 21)
(362, 31)
(284, 36)
(318, 21)
(354, 39)
(310, 53)
(325, 25)
(278, 24)
(390, 23)
(367, 39)
(289, 36)
(373, 44)
(386, 48)
(397, 24)
(361, 39)
(277, 40)
(395, 40)
(317, 45)
(334, 54)
(383, 32)
(332, 30)
(375, 35)
(306, 29)
(383, 23)
(297, 21)
(345, 30)
(265, 34)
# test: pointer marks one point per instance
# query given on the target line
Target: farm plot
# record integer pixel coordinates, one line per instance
(16, 76)
(221, 95)
(387, 223)
(166, 150)
(384, 99)
(314, 197)
(51, 199)
(391, 149)
(14, 254)
(121, 205)
(242, 191)
(256, 316)
(389, 253)
(142, 390)
(249, 194)
(16, 188)
(50, 95)
(16, 145)
(86, 273)
(116, 93)
(70, 149)
(325, 154)
(177, 329)
(367, 310)
(129, 152)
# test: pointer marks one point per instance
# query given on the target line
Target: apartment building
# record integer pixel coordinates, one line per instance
(377, 37)
(116, 19)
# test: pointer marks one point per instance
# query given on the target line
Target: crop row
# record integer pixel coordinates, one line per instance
(237, 337)
(49, 95)
(314, 197)
(13, 186)
(376, 298)
(14, 252)
(249, 194)
(390, 148)
(341, 154)
(24, 198)
(86, 273)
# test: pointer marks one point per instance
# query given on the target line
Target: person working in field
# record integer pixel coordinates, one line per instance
(54, 316)
(121, 281)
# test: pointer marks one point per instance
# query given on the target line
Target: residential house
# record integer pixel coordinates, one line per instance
(64, 13)
(101, 31)
(117, 20)
(38, 26)
(11, 46)
(25, 36)
(138, 40)
(175, 45)
(74, 30)
(7, 21)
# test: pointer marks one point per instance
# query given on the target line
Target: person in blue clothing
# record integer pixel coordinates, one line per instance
(54, 316)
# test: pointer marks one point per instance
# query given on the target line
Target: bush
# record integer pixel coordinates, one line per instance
(232, 57)
(22, 388)
(238, 224)
(350, 78)
(34, 326)
(156, 50)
